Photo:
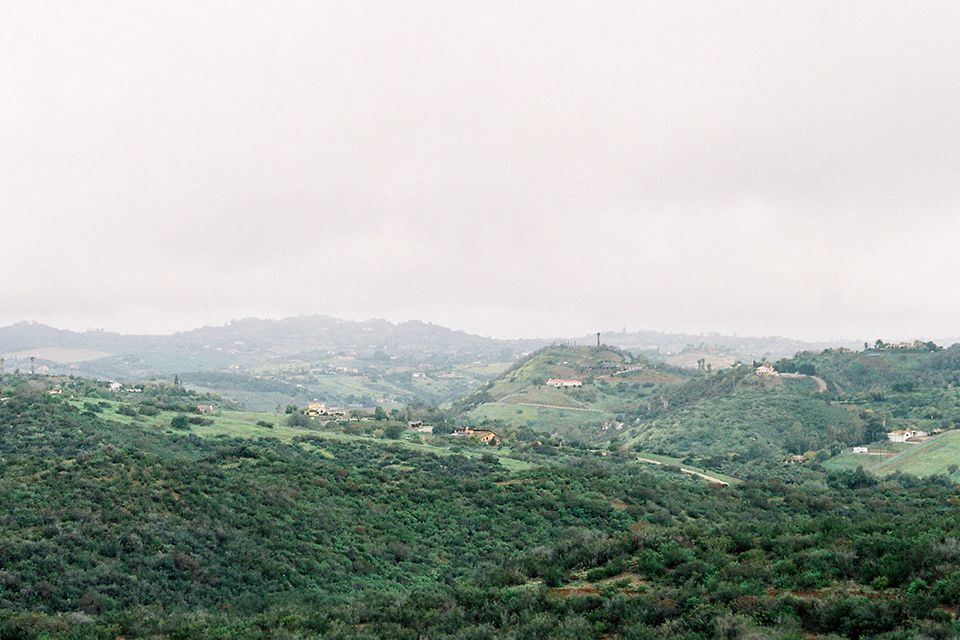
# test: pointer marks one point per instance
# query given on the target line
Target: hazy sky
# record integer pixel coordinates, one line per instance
(508, 168)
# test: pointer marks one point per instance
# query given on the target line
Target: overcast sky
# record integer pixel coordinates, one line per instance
(508, 168)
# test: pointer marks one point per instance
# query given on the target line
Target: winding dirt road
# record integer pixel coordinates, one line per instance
(691, 472)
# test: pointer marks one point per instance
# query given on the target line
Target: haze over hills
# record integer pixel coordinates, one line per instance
(268, 363)
(264, 363)
(253, 337)
(684, 349)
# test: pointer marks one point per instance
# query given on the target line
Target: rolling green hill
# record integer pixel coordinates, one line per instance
(818, 405)
(737, 412)
(613, 384)
(896, 387)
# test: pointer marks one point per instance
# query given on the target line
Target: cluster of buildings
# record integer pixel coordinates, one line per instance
(317, 409)
(906, 434)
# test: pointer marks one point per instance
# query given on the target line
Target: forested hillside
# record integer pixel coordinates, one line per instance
(736, 412)
(125, 529)
(745, 420)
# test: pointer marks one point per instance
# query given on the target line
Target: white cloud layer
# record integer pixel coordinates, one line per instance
(535, 169)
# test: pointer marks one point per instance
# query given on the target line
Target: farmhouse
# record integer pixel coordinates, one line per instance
(485, 435)
(316, 409)
(560, 382)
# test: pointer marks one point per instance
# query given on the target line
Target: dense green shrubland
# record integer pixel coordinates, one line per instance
(113, 530)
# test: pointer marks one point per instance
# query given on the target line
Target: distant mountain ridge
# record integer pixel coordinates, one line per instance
(313, 332)
(286, 336)
(264, 363)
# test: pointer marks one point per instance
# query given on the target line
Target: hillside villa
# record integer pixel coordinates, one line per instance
(316, 409)
(484, 435)
(560, 382)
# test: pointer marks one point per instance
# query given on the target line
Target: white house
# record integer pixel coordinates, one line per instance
(560, 382)
(901, 436)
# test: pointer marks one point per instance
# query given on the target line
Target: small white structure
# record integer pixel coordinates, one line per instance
(901, 436)
(860, 450)
(560, 382)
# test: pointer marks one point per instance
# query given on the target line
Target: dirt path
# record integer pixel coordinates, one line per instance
(544, 406)
(821, 383)
(553, 406)
(691, 472)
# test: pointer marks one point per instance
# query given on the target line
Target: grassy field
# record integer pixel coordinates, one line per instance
(540, 418)
(243, 424)
(543, 395)
(853, 461)
(935, 456)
